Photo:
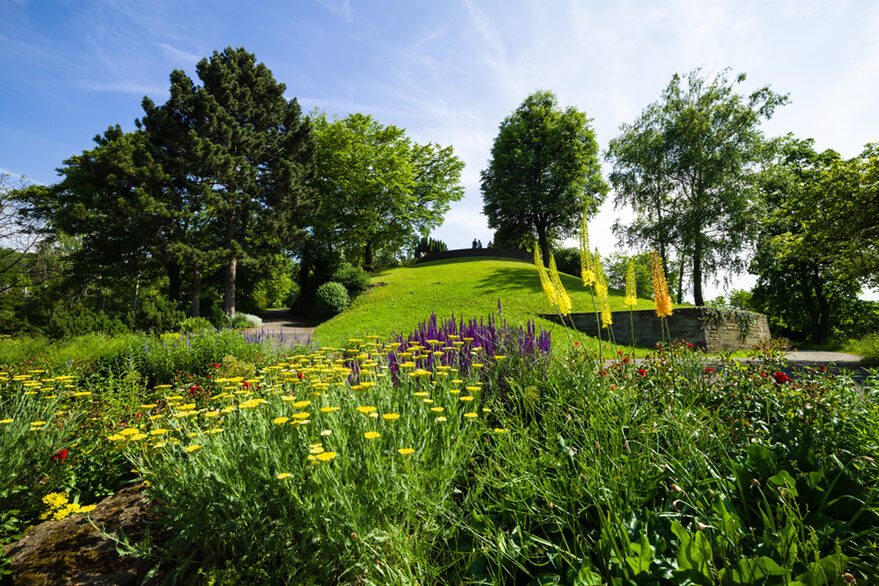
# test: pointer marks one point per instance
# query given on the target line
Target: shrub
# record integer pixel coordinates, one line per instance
(244, 320)
(332, 298)
(355, 279)
(196, 324)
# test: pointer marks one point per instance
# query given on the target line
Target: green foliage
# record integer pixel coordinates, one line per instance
(355, 279)
(427, 245)
(332, 298)
(378, 187)
(803, 291)
(195, 324)
(685, 166)
(544, 168)
(241, 320)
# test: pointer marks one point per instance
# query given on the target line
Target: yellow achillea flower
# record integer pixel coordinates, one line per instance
(631, 291)
(601, 291)
(405, 451)
(283, 475)
(587, 266)
(562, 295)
(660, 287)
(192, 448)
(391, 416)
(370, 435)
(326, 456)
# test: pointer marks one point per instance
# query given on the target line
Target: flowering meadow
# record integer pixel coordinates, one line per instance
(465, 452)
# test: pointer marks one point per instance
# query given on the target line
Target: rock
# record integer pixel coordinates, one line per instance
(71, 551)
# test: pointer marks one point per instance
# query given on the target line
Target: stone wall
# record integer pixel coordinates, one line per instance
(712, 329)
(509, 253)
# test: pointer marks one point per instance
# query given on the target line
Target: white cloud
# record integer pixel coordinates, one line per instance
(179, 56)
(127, 87)
(339, 7)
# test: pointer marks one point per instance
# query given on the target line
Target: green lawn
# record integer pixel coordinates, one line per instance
(459, 287)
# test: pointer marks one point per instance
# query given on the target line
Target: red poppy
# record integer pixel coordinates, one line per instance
(60, 455)
(782, 378)
(642, 372)
(709, 369)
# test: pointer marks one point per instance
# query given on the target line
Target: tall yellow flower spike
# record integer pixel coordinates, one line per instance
(548, 289)
(631, 299)
(587, 265)
(562, 296)
(601, 291)
(660, 287)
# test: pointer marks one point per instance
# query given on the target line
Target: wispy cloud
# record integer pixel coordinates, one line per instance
(178, 55)
(127, 87)
(340, 7)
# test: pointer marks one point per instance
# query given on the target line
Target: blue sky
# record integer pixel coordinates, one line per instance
(448, 72)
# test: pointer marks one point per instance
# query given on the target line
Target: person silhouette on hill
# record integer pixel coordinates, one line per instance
(479, 244)
(474, 243)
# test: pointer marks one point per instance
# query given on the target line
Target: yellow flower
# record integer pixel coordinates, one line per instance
(587, 267)
(500, 430)
(631, 290)
(370, 435)
(465, 398)
(300, 416)
(283, 475)
(391, 416)
(470, 415)
(328, 409)
(436, 409)
(192, 448)
(129, 431)
(366, 410)
(405, 451)
(660, 287)
(148, 406)
(280, 420)
(326, 456)
(301, 404)
(6, 420)
(43, 423)
(441, 418)
(562, 297)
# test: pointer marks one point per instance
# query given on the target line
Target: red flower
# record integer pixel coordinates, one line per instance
(782, 378)
(217, 365)
(300, 375)
(60, 455)
(709, 369)
(642, 372)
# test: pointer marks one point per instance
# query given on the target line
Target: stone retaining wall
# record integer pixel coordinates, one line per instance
(712, 329)
(510, 253)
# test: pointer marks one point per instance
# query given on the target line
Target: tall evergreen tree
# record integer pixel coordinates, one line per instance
(251, 152)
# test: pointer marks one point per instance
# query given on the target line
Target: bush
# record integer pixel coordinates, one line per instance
(244, 320)
(332, 298)
(196, 324)
(355, 279)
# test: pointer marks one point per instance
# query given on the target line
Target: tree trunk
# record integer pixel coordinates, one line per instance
(174, 281)
(231, 267)
(681, 264)
(821, 332)
(367, 256)
(543, 243)
(697, 272)
(196, 291)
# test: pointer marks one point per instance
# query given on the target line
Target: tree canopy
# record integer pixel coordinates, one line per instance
(544, 169)
(686, 167)
(379, 188)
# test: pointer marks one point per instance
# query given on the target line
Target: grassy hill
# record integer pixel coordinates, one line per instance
(403, 297)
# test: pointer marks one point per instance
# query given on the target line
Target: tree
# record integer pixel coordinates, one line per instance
(804, 286)
(251, 152)
(544, 169)
(377, 187)
(686, 168)
(17, 237)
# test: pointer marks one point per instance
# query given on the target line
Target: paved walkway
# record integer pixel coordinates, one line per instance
(287, 329)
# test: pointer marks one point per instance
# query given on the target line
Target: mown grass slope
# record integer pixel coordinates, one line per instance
(403, 297)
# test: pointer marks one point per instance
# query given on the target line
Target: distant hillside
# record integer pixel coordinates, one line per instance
(401, 298)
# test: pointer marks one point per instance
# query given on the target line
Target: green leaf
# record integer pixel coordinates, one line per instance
(824, 571)
(643, 555)
(751, 571)
(587, 576)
